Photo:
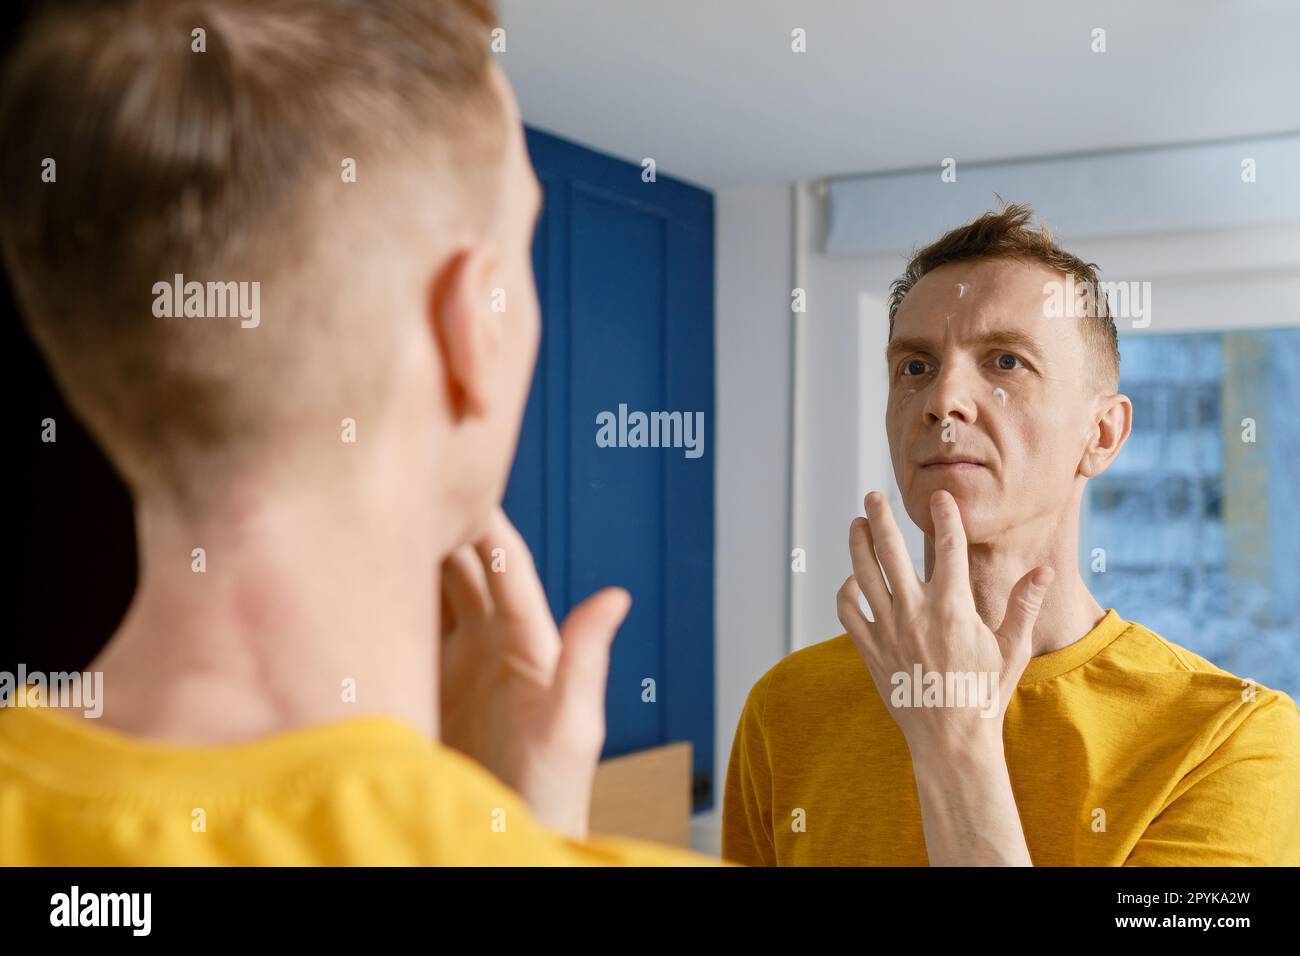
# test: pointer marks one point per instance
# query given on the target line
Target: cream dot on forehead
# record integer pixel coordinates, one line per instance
(961, 288)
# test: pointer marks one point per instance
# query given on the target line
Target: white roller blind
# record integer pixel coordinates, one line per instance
(1138, 192)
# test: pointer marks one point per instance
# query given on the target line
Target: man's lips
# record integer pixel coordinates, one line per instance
(952, 464)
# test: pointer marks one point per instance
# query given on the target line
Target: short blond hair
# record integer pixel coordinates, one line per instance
(1007, 235)
(208, 139)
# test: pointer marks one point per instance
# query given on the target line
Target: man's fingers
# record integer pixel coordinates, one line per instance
(891, 550)
(1023, 605)
(855, 623)
(951, 561)
(586, 634)
(866, 569)
(517, 593)
(464, 589)
(849, 611)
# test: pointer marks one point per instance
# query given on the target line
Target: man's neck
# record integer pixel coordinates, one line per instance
(1069, 610)
(308, 609)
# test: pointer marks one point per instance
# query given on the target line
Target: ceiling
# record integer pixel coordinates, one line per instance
(711, 90)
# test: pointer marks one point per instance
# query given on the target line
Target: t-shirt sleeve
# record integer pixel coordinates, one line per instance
(747, 796)
(1241, 805)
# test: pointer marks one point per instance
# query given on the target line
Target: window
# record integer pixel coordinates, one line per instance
(1195, 529)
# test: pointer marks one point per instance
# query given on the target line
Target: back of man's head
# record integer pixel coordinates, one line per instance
(323, 149)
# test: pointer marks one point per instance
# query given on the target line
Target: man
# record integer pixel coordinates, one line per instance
(264, 247)
(996, 714)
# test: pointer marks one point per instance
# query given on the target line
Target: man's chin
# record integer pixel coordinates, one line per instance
(966, 483)
(973, 503)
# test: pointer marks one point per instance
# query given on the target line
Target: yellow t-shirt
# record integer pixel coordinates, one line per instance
(368, 791)
(1122, 748)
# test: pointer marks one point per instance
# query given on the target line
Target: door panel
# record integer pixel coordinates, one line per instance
(625, 276)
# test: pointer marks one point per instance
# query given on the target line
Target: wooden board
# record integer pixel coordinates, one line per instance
(646, 795)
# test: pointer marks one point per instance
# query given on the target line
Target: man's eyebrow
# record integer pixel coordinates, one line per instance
(914, 344)
(1010, 339)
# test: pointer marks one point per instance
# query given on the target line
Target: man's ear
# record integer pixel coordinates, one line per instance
(1113, 424)
(465, 327)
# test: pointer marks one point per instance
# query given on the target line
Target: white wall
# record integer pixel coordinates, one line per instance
(840, 403)
(752, 524)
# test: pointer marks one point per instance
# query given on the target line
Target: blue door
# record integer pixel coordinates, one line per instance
(625, 276)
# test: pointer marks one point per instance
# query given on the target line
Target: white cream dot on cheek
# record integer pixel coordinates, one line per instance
(905, 390)
(1002, 394)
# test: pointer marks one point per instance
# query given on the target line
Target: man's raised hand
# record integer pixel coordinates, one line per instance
(525, 704)
(934, 624)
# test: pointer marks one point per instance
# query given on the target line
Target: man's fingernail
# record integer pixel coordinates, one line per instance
(1042, 577)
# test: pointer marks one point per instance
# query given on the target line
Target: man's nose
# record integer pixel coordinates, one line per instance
(952, 395)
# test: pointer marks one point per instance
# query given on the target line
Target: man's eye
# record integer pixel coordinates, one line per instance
(1008, 362)
(910, 367)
